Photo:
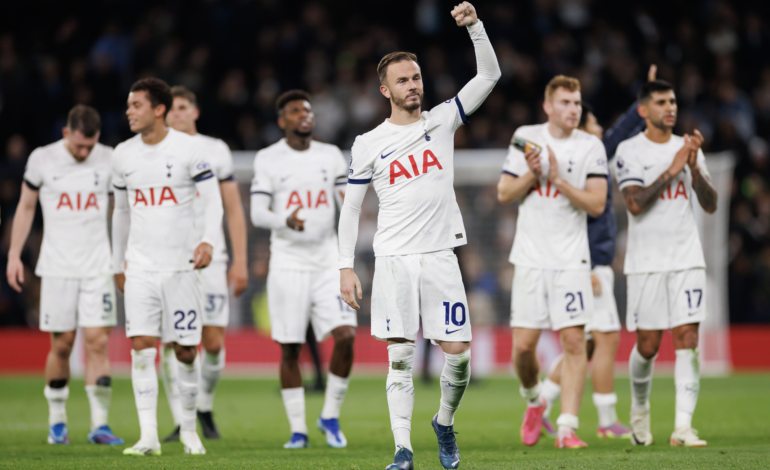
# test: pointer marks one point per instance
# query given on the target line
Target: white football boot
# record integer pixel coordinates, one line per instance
(640, 426)
(686, 437)
(192, 443)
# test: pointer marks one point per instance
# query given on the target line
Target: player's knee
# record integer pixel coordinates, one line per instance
(574, 346)
(97, 344)
(212, 345)
(290, 353)
(62, 345)
(344, 338)
(524, 348)
(185, 354)
(647, 349)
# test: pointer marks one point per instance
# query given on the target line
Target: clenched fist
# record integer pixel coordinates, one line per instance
(464, 14)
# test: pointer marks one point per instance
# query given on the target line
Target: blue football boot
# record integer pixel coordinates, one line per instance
(404, 460)
(57, 434)
(448, 454)
(104, 435)
(331, 428)
(297, 441)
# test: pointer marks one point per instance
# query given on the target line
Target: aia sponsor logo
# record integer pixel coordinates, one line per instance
(548, 192)
(320, 199)
(151, 197)
(397, 170)
(680, 191)
(77, 202)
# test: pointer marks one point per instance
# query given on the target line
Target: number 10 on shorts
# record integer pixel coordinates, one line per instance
(455, 313)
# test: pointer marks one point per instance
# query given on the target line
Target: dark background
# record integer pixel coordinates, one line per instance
(239, 55)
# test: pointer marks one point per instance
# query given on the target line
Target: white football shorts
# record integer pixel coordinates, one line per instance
(295, 298)
(69, 303)
(426, 285)
(168, 306)
(550, 299)
(605, 316)
(216, 295)
(664, 300)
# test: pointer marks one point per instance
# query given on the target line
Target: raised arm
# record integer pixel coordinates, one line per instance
(626, 126)
(350, 286)
(22, 224)
(487, 69)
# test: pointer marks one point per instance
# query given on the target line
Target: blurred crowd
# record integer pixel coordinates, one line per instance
(238, 56)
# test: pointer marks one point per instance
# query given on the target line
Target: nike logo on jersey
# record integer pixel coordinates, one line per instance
(386, 156)
(126, 175)
(453, 331)
(647, 167)
(58, 176)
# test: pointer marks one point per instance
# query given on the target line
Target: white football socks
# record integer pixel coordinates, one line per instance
(336, 389)
(57, 404)
(687, 380)
(605, 406)
(640, 370)
(189, 378)
(532, 395)
(211, 371)
(144, 378)
(551, 391)
(567, 424)
(169, 372)
(454, 380)
(400, 391)
(294, 402)
(99, 398)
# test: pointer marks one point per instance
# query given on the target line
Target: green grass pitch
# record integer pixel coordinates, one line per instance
(732, 415)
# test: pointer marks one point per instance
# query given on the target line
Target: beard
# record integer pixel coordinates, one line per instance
(303, 135)
(661, 124)
(401, 102)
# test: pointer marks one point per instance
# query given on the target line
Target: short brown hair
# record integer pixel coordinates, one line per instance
(180, 91)
(158, 92)
(392, 58)
(84, 119)
(561, 81)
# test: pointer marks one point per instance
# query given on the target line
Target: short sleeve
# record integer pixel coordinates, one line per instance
(361, 166)
(628, 169)
(118, 182)
(262, 183)
(597, 161)
(515, 164)
(341, 173)
(33, 173)
(200, 168)
(225, 170)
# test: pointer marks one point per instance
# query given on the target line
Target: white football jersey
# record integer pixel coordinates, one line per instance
(308, 180)
(551, 233)
(664, 237)
(218, 154)
(412, 170)
(160, 180)
(74, 198)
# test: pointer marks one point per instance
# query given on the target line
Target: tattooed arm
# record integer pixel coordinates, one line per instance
(704, 188)
(639, 198)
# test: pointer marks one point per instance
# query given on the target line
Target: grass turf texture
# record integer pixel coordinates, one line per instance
(731, 415)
